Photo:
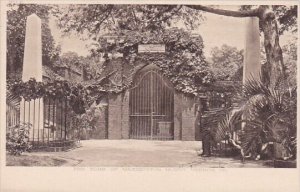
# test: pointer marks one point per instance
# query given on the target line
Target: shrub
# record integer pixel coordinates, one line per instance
(17, 140)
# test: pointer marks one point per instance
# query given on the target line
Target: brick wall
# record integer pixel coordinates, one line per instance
(177, 116)
(189, 114)
(115, 117)
(125, 115)
(186, 118)
(118, 116)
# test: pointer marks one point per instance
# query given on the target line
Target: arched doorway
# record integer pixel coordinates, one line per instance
(151, 103)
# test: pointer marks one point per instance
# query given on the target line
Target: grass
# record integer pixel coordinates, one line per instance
(33, 160)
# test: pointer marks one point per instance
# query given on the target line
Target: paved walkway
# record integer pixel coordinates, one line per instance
(141, 153)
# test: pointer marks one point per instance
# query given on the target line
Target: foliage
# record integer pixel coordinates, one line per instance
(93, 19)
(17, 139)
(131, 25)
(80, 96)
(16, 26)
(226, 62)
(286, 14)
(228, 125)
(12, 100)
(183, 61)
(82, 124)
(90, 66)
(269, 116)
(290, 60)
(71, 59)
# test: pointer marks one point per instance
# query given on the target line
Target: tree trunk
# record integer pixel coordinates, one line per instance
(274, 69)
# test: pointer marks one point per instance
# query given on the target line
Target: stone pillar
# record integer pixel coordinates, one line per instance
(32, 111)
(252, 65)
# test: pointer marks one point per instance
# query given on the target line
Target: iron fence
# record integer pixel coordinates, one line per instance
(49, 121)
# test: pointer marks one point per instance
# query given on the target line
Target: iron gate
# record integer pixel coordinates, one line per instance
(151, 107)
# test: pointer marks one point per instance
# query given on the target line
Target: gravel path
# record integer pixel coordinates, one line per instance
(141, 153)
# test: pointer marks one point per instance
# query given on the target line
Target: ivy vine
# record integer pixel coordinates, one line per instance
(78, 95)
(183, 61)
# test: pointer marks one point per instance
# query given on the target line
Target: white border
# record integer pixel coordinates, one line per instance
(118, 179)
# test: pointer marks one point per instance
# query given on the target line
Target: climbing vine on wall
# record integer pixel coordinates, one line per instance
(79, 96)
(182, 62)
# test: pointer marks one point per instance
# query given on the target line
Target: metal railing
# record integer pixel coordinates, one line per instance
(49, 120)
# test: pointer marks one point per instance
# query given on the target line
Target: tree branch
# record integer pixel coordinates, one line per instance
(246, 13)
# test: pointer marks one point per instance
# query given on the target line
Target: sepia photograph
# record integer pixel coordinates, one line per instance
(149, 85)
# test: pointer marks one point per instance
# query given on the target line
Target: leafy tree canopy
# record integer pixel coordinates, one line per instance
(94, 19)
(226, 62)
(286, 16)
(290, 60)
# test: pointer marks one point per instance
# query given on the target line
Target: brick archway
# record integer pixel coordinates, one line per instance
(151, 106)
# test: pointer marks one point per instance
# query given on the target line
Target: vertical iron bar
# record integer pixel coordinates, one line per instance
(135, 112)
(148, 110)
(166, 109)
(155, 107)
(129, 135)
(49, 106)
(39, 113)
(151, 104)
(65, 112)
(139, 112)
(33, 123)
(23, 116)
(44, 120)
(29, 118)
(160, 103)
(61, 118)
(53, 120)
(168, 113)
(144, 110)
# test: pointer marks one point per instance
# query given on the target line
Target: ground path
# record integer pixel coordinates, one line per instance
(141, 153)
